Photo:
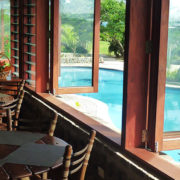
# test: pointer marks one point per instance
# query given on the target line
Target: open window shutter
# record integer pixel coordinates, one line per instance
(64, 14)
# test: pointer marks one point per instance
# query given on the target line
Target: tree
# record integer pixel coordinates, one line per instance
(77, 19)
(82, 27)
(113, 25)
(2, 30)
(5, 27)
(69, 38)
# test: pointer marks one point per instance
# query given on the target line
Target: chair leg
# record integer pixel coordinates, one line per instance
(9, 119)
(25, 178)
(15, 125)
(45, 175)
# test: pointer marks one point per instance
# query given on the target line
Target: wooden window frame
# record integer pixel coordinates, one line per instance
(159, 140)
(138, 86)
(135, 73)
(145, 77)
(55, 55)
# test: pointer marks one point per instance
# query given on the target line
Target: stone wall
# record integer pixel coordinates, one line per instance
(82, 60)
(68, 58)
(106, 161)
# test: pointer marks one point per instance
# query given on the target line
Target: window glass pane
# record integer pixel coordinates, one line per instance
(172, 97)
(76, 42)
(5, 27)
(111, 63)
(5, 38)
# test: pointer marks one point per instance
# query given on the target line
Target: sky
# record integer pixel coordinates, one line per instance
(174, 10)
(4, 3)
(77, 6)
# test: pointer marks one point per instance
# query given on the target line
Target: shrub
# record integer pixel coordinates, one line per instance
(173, 75)
(116, 47)
(81, 50)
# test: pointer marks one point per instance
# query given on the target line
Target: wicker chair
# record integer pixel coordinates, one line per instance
(9, 113)
(20, 87)
(74, 163)
(78, 162)
(28, 124)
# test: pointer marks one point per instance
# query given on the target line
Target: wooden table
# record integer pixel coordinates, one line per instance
(5, 98)
(23, 154)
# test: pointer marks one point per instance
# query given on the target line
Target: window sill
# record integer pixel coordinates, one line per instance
(156, 162)
(78, 117)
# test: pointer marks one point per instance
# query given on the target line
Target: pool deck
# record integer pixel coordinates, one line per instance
(93, 108)
(108, 63)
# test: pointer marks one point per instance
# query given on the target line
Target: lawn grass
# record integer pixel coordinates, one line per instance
(104, 45)
(103, 48)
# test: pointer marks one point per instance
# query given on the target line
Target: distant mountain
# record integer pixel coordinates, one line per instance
(77, 6)
(73, 17)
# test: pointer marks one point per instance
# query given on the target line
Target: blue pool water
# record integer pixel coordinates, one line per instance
(172, 110)
(111, 93)
(110, 88)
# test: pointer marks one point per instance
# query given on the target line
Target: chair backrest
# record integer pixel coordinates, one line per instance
(19, 104)
(78, 162)
(11, 87)
(34, 124)
(20, 87)
(11, 110)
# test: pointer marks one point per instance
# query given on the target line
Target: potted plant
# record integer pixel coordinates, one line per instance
(5, 66)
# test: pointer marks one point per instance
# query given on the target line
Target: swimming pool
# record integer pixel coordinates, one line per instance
(110, 88)
(111, 93)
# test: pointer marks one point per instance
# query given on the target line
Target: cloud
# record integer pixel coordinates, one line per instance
(174, 10)
(68, 1)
